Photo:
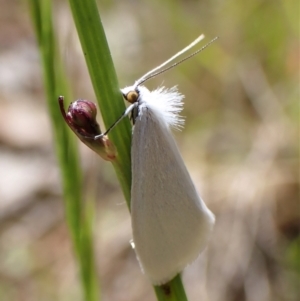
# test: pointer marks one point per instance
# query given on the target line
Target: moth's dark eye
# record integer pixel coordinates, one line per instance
(132, 96)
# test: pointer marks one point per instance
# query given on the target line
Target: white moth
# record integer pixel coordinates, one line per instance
(170, 222)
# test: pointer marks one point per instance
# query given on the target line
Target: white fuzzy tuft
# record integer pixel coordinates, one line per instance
(166, 103)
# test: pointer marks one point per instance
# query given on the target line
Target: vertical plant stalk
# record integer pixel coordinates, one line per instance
(105, 84)
(78, 216)
(104, 80)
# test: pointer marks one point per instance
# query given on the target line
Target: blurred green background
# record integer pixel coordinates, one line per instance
(240, 144)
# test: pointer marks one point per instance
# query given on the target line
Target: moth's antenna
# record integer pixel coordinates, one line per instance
(153, 72)
(143, 78)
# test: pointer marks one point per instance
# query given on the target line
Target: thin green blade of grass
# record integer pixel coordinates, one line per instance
(78, 218)
(65, 148)
(172, 291)
(105, 84)
(104, 80)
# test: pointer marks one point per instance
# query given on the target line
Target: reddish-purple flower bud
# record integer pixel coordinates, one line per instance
(81, 118)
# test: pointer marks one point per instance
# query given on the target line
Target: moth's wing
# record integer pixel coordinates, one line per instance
(170, 222)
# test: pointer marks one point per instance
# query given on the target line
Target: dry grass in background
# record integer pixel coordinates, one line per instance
(240, 143)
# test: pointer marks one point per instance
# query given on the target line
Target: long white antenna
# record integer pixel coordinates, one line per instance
(155, 71)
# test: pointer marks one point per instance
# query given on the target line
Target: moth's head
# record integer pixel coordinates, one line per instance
(131, 94)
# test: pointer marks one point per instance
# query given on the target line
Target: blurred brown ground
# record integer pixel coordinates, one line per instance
(240, 143)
